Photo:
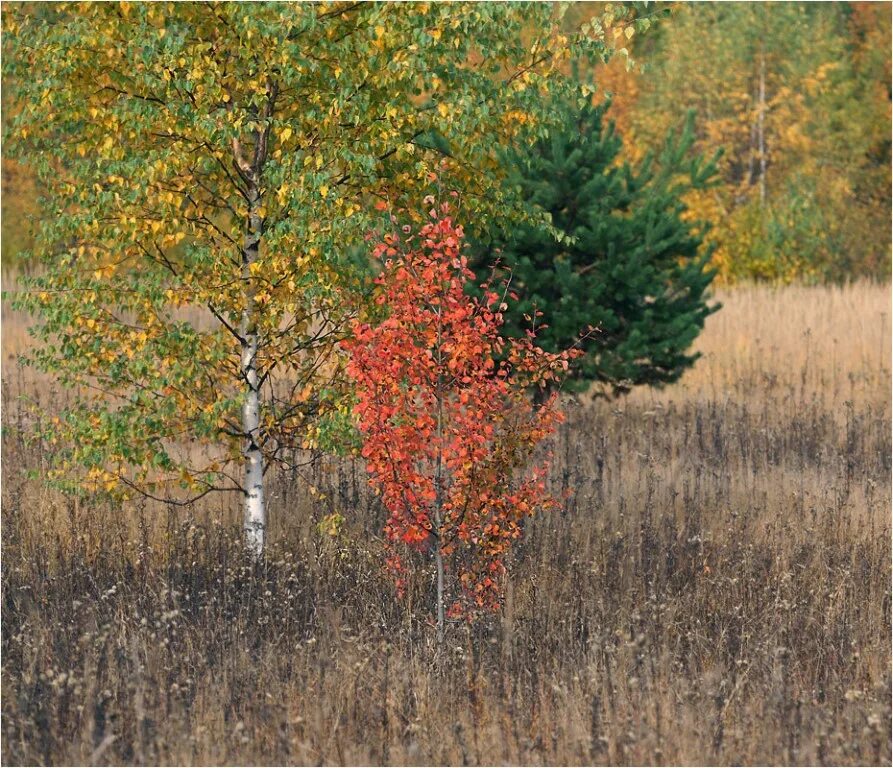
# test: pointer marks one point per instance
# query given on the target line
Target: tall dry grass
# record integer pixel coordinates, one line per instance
(716, 590)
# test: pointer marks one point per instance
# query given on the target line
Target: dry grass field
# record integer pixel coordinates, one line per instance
(716, 591)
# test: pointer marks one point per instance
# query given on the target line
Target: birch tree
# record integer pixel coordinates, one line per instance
(206, 168)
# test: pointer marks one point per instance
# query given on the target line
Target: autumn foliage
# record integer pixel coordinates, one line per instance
(449, 424)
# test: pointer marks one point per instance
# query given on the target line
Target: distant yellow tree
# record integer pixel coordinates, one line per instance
(796, 95)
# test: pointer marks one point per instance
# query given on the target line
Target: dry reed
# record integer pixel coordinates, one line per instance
(716, 590)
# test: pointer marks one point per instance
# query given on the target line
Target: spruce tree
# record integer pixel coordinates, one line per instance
(621, 255)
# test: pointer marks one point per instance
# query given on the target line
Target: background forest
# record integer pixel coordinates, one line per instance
(795, 96)
(467, 384)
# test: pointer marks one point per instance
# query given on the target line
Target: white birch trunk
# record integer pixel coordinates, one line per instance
(255, 509)
(255, 521)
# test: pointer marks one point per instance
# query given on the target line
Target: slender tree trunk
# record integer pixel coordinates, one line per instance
(761, 126)
(752, 164)
(438, 489)
(438, 521)
(441, 617)
(255, 521)
(254, 507)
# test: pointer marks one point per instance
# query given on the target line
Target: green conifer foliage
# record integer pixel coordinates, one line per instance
(621, 256)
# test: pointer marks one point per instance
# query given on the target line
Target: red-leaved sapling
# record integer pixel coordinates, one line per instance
(449, 422)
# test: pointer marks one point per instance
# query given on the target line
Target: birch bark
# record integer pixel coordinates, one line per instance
(254, 507)
(255, 511)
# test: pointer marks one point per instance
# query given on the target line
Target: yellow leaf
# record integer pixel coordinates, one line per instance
(285, 135)
(324, 191)
(443, 109)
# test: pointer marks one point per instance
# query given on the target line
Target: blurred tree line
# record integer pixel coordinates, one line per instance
(797, 98)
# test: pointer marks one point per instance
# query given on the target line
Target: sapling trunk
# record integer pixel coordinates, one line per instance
(438, 560)
(438, 490)
(438, 524)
